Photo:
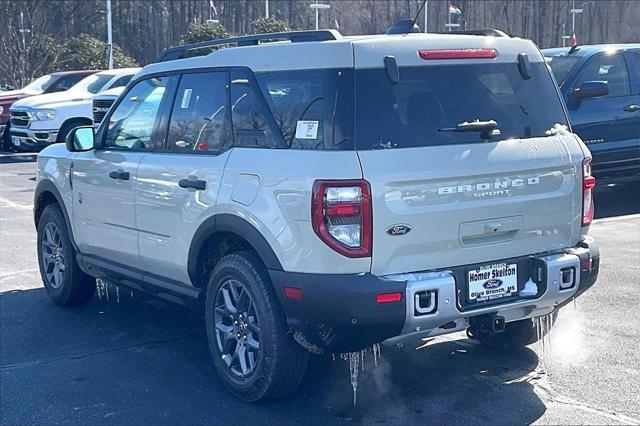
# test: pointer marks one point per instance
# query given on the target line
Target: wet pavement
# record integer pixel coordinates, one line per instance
(143, 361)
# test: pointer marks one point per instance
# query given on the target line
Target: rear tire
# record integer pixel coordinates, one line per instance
(248, 336)
(65, 283)
(518, 334)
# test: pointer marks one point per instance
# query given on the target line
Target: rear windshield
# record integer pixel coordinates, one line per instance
(429, 102)
(561, 66)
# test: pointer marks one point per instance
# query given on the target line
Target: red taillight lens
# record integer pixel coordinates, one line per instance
(588, 183)
(435, 54)
(388, 297)
(341, 215)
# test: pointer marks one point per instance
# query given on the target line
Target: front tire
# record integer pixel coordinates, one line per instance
(247, 332)
(65, 283)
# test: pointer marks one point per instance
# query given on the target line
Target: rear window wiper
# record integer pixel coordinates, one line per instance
(487, 128)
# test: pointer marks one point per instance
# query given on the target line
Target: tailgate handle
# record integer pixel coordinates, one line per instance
(490, 231)
(492, 227)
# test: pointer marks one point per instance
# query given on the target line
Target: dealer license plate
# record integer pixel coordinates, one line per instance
(495, 281)
(16, 140)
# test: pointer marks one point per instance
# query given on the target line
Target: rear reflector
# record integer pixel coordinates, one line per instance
(435, 54)
(293, 293)
(388, 297)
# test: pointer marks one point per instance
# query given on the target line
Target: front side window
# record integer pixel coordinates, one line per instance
(609, 68)
(199, 116)
(132, 123)
(429, 103)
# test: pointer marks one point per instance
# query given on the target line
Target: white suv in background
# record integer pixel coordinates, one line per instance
(352, 191)
(38, 121)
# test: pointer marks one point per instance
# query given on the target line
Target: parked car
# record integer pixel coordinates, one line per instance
(42, 120)
(102, 102)
(601, 87)
(50, 83)
(357, 190)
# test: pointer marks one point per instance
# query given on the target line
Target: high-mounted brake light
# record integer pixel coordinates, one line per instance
(588, 183)
(435, 54)
(341, 215)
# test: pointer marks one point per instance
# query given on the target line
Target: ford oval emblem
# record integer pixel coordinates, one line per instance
(397, 230)
(493, 283)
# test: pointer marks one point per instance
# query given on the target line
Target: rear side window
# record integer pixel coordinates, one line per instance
(253, 125)
(426, 105)
(199, 117)
(312, 108)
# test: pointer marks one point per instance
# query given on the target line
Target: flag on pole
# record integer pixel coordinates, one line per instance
(213, 7)
(454, 10)
(574, 41)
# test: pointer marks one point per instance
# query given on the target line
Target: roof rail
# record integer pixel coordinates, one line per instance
(250, 40)
(490, 32)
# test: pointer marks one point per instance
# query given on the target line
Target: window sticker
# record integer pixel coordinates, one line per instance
(307, 130)
(186, 98)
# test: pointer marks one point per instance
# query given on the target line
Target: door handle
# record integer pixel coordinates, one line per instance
(198, 184)
(119, 175)
(632, 108)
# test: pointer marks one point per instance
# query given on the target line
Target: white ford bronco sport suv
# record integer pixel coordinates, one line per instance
(319, 193)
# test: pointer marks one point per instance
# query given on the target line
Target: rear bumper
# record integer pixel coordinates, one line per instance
(339, 313)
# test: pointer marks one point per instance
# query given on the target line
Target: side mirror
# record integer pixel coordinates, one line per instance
(80, 139)
(590, 89)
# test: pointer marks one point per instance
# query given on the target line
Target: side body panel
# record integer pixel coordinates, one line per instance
(168, 216)
(272, 189)
(607, 125)
(103, 207)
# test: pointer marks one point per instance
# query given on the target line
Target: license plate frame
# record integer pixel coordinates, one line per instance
(16, 140)
(492, 282)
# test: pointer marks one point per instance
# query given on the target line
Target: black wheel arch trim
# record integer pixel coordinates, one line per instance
(47, 186)
(229, 223)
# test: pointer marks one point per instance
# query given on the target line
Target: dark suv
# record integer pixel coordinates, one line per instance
(50, 83)
(601, 86)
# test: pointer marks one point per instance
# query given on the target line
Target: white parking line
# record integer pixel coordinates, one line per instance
(5, 202)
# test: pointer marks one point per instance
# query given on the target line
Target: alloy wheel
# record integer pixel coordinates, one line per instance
(237, 329)
(53, 255)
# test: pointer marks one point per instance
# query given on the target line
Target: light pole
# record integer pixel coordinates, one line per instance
(109, 35)
(426, 16)
(266, 9)
(574, 12)
(317, 7)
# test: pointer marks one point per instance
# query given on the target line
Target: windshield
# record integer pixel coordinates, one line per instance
(430, 103)
(93, 83)
(40, 84)
(561, 66)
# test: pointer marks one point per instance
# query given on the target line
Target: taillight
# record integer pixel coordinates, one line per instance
(588, 183)
(341, 215)
(434, 54)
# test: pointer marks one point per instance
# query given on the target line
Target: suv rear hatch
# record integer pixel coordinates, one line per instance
(446, 193)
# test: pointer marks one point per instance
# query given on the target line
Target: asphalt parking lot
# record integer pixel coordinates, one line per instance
(134, 360)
